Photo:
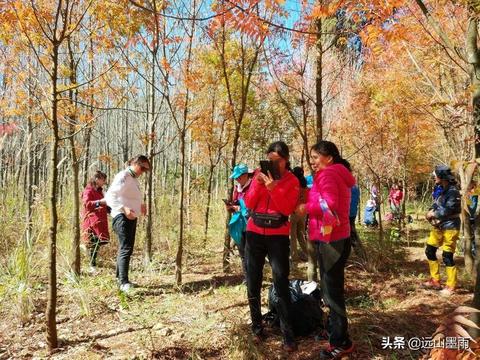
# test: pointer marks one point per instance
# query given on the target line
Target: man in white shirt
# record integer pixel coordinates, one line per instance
(124, 197)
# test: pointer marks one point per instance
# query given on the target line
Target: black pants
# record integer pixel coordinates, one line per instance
(277, 247)
(333, 292)
(125, 230)
(241, 250)
(93, 246)
(353, 232)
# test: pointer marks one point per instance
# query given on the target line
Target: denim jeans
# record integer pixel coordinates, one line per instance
(277, 247)
(125, 230)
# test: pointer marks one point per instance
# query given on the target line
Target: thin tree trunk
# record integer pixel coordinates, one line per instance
(29, 178)
(75, 167)
(183, 135)
(209, 199)
(88, 135)
(319, 81)
(147, 249)
(178, 259)
(473, 55)
(88, 131)
(51, 308)
(380, 221)
(188, 208)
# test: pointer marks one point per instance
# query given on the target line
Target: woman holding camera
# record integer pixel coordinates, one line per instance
(271, 202)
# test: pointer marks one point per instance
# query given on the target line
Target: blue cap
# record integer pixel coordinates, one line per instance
(239, 170)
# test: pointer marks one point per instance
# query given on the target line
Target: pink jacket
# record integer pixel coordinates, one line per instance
(333, 184)
(282, 199)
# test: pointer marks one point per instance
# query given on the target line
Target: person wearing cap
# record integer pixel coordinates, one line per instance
(242, 176)
(444, 215)
(124, 197)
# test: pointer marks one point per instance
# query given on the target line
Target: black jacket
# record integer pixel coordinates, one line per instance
(447, 208)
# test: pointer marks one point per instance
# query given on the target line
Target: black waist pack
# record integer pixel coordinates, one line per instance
(270, 221)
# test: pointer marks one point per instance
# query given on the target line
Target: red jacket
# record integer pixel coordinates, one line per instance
(282, 199)
(333, 184)
(94, 218)
(395, 197)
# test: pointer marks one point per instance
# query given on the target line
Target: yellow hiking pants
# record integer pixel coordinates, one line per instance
(447, 240)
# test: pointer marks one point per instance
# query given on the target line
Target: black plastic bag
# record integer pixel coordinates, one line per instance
(306, 311)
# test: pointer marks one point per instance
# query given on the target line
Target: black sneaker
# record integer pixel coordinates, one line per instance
(336, 352)
(322, 335)
(258, 332)
(290, 346)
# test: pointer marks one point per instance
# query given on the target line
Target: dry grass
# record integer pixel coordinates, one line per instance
(208, 317)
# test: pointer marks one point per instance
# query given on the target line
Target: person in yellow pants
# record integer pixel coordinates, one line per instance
(444, 215)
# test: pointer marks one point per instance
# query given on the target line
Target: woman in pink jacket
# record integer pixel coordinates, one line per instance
(328, 208)
(270, 203)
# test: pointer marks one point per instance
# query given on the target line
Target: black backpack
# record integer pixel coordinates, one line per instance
(306, 311)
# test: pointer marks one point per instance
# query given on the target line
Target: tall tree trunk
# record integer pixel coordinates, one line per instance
(76, 209)
(379, 207)
(188, 185)
(209, 199)
(473, 56)
(246, 76)
(86, 139)
(183, 138)
(88, 131)
(75, 166)
(227, 238)
(319, 81)
(178, 259)
(51, 308)
(147, 249)
(29, 183)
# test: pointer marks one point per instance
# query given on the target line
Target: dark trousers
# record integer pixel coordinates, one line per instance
(472, 236)
(333, 292)
(125, 230)
(353, 232)
(241, 251)
(277, 247)
(94, 246)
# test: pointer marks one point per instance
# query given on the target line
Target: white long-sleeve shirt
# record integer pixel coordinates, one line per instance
(124, 192)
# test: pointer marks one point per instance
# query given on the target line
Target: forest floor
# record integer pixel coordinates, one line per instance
(208, 317)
